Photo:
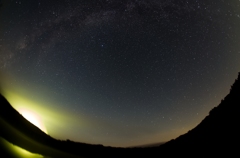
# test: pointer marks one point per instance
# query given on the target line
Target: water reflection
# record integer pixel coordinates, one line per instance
(15, 151)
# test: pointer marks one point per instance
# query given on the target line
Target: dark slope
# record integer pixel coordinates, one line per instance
(16, 129)
(217, 135)
(13, 118)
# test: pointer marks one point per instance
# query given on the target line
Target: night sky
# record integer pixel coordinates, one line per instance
(118, 73)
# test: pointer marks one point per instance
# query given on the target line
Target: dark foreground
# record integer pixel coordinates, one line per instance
(217, 135)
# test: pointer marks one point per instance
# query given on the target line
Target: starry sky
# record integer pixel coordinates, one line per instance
(118, 73)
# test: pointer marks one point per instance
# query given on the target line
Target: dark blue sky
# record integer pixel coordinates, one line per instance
(119, 73)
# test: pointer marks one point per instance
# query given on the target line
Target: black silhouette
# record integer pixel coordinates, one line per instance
(217, 135)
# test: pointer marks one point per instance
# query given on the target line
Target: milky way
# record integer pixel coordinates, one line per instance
(119, 73)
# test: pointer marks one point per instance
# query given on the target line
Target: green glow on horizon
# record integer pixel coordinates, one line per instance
(43, 118)
(33, 118)
(55, 120)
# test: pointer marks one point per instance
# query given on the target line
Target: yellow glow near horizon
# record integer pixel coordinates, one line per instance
(33, 118)
(53, 121)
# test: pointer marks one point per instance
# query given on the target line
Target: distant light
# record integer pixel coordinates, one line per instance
(33, 118)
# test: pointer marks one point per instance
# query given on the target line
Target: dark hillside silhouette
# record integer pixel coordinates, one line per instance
(217, 135)
(17, 130)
